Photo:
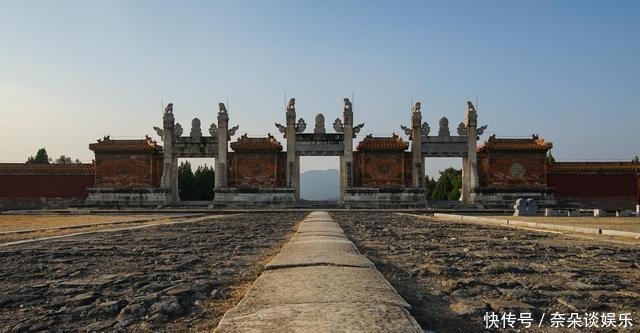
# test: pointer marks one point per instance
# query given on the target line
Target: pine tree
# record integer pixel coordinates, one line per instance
(40, 158)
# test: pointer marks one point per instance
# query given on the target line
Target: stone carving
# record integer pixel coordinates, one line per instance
(196, 132)
(425, 129)
(159, 131)
(462, 129)
(177, 130)
(301, 125)
(406, 130)
(444, 127)
(470, 107)
(281, 128)
(222, 108)
(417, 107)
(213, 130)
(291, 106)
(319, 127)
(480, 130)
(232, 131)
(356, 129)
(338, 126)
(524, 207)
(347, 104)
(168, 109)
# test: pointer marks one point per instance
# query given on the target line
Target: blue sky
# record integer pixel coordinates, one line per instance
(72, 71)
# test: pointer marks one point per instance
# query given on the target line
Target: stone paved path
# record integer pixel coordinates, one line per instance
(319, 282)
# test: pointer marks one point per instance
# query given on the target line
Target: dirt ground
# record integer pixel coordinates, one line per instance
(10, 222)
(453, 273)
(171, 278)
(614, 223)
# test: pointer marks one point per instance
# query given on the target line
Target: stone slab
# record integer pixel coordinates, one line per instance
(312, 318)
(309, 237)
(330, 233)
(321, 284)
(320, 226)
(319, 252)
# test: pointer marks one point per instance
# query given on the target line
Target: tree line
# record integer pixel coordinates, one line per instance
(42, 157)
(196, 185)
(447, 187)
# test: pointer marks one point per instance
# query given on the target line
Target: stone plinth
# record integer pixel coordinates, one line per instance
(505, 197)
(128, 196)
(254, 197)
(371, 197)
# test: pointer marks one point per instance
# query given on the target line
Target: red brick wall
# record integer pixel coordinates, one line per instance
(595, 185)
(498, 169)
(128, 170)
(248, 170)
(382, 169)
(48, 186)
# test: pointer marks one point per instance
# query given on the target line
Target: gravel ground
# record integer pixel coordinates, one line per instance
(453, 273)
(165, 278)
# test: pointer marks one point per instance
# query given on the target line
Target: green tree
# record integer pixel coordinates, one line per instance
(429, 185)
(196, 185)
(204, 182)
(63, 160)
(40, 158)
(636, 159)
(448, 185)
(185, 181)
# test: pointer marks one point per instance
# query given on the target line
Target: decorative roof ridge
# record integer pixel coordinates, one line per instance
(245, 143)
(382, 143)
(535, 143)
(125, 145)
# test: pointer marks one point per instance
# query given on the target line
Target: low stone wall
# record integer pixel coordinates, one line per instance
(38, 203)
(138, 196)
(370, 197)
(254, 197)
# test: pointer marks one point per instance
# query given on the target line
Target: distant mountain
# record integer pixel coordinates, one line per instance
(320, 184)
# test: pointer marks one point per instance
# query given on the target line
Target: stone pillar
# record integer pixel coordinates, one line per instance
(292, 161)
(464, 192)
(417, 173)
(223, 138)
(346, 162)
(471, 122)
(169, 164)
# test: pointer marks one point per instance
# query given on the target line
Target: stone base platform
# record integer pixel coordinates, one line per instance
(506, 197)
(254, 197)
(132, 196)
(319, 282)
(370, 197)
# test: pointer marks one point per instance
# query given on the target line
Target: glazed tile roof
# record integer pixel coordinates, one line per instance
(392, 143)
(23, 169)
(594, 167)
(246, 143)
(108, 145)
(499, 144)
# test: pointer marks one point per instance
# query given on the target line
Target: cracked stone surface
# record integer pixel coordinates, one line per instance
(452, 273)
(164, 278)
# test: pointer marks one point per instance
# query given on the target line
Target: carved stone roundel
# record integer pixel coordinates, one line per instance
(383, 169)
(517, 170)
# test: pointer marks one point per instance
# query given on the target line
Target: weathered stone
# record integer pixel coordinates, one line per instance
(525, 207)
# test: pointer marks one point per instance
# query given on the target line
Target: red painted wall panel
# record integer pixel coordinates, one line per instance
(585, 185)
(50, 186)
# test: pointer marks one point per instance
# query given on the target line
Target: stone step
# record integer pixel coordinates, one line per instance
(319, 282)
